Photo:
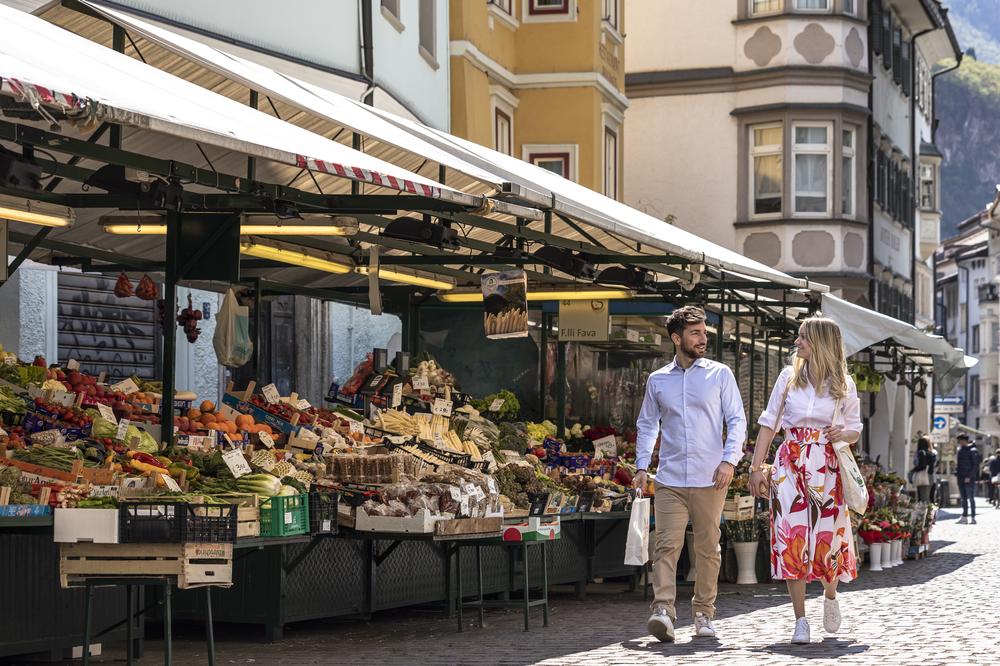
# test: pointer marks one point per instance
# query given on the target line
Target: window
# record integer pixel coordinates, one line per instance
(994, 398)
(875, 26)
(766, 170)
(557, 163)
(536, 7)
(813, 5)
(560, 159)
(886, 38)
(927, 186)
(758, 7)
(503, 132)
(811, 161)
(428, 31)
(897, 55)
(847, 175)
(995, 337)
(850, 8)
(610, 162)
(880, 178)
(611, 12)
(905, 68)
(974, 390)
(504, 5)
(391, 6)
(975, 339)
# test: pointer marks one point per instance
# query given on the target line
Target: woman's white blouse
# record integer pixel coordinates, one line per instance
(805, 409)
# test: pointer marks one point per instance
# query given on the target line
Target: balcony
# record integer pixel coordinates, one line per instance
(988, 292)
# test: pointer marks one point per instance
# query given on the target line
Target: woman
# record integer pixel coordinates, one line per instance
(816, 403)
(922, 473)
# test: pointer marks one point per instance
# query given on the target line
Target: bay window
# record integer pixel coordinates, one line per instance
(766, 167)
(812, 155)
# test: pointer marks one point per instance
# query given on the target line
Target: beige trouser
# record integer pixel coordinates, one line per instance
(673, 507)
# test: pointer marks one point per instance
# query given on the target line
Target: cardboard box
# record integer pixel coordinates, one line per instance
(421, 523)
(546, 528)
(85, 526)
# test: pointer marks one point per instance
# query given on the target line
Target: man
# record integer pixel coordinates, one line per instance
(686, 404)
(967, 467)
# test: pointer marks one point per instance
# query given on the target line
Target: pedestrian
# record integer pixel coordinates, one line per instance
(922, 473)
(687, 404)
(816, 403)
(967, 466)
(994, 470)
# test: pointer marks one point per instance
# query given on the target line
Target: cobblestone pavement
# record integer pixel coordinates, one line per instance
(940, 610)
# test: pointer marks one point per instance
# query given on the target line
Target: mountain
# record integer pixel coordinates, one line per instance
(968, 108)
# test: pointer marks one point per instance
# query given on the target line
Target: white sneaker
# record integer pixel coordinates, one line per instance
(831, 615)
(660, 625)
(703, 626)
(801, 634)
(963, 520)
(972, 521)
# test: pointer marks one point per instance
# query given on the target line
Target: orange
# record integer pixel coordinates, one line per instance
(208, 406)
(194, 414)
(244, 421)
(215, 426)
(263, 427)
(207, 418)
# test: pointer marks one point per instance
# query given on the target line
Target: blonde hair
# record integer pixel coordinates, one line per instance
(826, 363)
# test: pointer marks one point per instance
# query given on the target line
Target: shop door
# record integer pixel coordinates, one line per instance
(117, 336)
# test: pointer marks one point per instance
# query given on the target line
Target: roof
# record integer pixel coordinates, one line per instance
(930, 149)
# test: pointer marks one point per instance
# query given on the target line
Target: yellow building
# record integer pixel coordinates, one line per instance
(542, 80)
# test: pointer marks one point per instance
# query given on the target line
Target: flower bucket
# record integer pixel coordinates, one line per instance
(875, 556)
(746, 559)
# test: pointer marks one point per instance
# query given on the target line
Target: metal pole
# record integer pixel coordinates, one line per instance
(356, 144)
(560, 389)
(543, 364)
(170, 326)
(118, 44)
(753, 369)
(258, 320)
(251, 161)
(718, 333)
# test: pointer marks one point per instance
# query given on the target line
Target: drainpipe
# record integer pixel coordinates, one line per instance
(965, 325)
(934, 76)
(871, 181)
(367, 52)
(914, 170)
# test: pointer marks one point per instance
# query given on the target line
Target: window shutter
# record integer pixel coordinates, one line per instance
(886, 38)
(875, 26)
(897, 56)
(905, 68)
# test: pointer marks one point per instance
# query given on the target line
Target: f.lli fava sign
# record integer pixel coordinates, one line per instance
(584, 321)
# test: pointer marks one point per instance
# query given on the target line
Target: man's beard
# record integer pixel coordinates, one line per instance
(693, 351)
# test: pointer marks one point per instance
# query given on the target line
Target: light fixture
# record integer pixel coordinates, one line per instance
(35, 212)
(544, 295)
(633, 278)
(135, 229)
(294, 258)
(566, 261)
(409, 278)
(422, 230)
(157, 229)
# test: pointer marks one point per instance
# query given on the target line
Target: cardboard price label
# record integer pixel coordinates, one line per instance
(309, 435)
(127, 387)
(122, 429)
(271, 393)
(73, 364)
(442, 407)
(170, 483)
(104, 491)
(201, 442)
(421, 384)
(439, 441)
(605, 447)
(107, 413)
(266, 440)
(236, 462)
(357, 427)
(303, 404)
(497, 405)
(397, 395)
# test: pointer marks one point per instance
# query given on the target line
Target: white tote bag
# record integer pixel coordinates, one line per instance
(855, 490)
(637, 543)
(232, 333)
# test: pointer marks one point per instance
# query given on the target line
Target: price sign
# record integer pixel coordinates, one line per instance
(357, 427)
(236, 462)
(73, 364)
(266, 440)
(309, 435)
(127, 387)
(397, 395)
(421, 384)
(107, 413)
(201, 443)
(441, 407)
(303, 404)
(288, 518)
(631, 335)
(373, 412)
(605, 447)
(104, 491)
(497, 405)
(439, 441)
(122, 429)
(170, 483)
(492, 486)
(271, 393)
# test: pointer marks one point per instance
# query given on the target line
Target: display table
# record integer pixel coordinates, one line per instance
(526, 603)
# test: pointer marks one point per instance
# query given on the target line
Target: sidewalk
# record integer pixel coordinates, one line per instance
(940, 610)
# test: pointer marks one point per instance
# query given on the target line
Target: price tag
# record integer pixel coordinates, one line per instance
(397, 395)
(107, 413)
(421, 384)
(266, 439)
(236, 462)
(309, 435)
(469, 488)
(441, 407)
(357, 426)
(497, 405)
(492, 486)
(303, 404)
(73, 364)
(631, 335)
(288, 517)
(127, 387)
(201, 443)
(171, 484)
(373, 412)
(477, 493)
(376, 380)
(122, 429)
(605, 447)
(439, 441)
(271, 393)
(104, 491)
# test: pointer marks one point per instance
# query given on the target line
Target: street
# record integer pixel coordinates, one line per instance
(939, 610)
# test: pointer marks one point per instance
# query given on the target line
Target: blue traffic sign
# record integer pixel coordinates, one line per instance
(940, 423)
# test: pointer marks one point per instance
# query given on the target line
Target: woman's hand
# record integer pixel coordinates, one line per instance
(757, 482)
(833, 433)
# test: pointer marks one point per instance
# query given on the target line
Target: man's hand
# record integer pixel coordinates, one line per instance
(723, 475)
(639, 481)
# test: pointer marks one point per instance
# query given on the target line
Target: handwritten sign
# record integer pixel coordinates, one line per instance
(605, 447)
(397, 396)
(170, 483)
(201, 442)
(441, 407)
(236, 462)
(421, 384)
(104, 491)
(497, 405)
(271, 393)
(127, 387)
(122, 429)
(73, 364)
(107, 413)
(266, 440)
(309, 435)
(303, 404)
(357, 427)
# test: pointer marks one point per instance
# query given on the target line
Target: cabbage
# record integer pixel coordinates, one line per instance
(53, 385)
(146, 442)
(103, 428)
(287, 491)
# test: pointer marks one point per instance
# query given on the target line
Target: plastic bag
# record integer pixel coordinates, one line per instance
(232, 333)
(637, 543)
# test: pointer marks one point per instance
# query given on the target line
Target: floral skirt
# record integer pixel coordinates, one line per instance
(810, 525)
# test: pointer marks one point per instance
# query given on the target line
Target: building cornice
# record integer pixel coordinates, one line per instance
(801, 106)
(725, 79)
(801, 222)
(812, 17)
(469, 51)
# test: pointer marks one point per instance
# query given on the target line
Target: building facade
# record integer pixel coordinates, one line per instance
(543, 81)
(791, 131)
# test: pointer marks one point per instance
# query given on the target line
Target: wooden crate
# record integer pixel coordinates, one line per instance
(484, 526)
(192, 564)
(738, 502)
(738, 514)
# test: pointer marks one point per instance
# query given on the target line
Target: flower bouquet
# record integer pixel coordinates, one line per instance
(871, 531)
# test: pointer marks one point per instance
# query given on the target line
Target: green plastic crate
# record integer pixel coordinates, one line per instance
(284, 516)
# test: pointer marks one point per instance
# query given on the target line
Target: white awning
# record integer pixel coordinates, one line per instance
(51, 67)
(534, 184)
(862, 328)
